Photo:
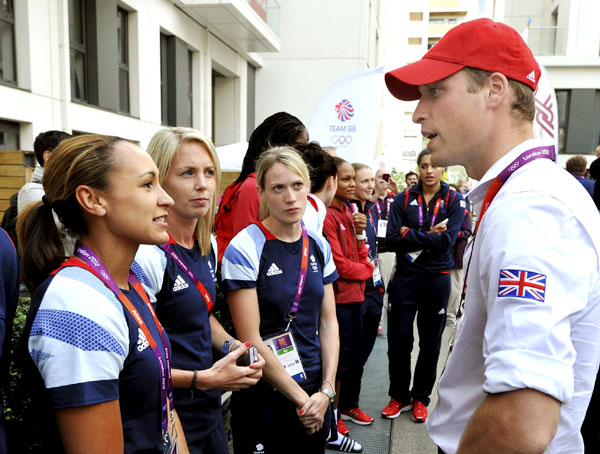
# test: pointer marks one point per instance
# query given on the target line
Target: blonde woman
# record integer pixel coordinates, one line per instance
(278, 276)
(180, 276)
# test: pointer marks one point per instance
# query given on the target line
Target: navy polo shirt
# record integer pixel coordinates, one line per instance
(183, 313)
(257, 259)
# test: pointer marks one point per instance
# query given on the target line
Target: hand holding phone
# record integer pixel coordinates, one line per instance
(250, 357)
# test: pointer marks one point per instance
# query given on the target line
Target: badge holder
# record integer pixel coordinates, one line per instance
(377, 281)
(381, 228)
(284, 347)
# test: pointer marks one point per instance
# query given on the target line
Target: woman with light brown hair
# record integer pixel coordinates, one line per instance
(100, 357)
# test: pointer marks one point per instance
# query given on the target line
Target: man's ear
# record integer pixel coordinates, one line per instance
(330, 182)
(90, 200)
(45, 156)
(498, 90)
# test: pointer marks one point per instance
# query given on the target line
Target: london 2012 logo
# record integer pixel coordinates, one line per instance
(345, 110)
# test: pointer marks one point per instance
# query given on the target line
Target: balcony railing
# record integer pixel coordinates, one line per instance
(549, 40)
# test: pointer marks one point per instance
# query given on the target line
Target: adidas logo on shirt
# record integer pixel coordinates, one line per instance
(273, 270)
(414, 202)
(142, 343)
(180, 284)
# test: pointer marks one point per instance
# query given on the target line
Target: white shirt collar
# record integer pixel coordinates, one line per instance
(477, 194)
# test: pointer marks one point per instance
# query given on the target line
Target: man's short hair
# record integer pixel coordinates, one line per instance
(576, 165)
(523, 106)
(47, 141)
(410, 174)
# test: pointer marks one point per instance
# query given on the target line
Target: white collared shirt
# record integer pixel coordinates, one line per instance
(532, 312)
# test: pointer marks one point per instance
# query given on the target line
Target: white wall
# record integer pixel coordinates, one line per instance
(321, 42)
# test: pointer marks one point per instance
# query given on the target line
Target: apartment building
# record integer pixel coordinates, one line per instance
(129, 67)
(563, 35)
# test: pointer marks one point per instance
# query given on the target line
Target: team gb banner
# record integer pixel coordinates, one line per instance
(545, 124)
(347, 115)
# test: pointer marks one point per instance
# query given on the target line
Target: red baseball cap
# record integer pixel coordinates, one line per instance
(481, 44)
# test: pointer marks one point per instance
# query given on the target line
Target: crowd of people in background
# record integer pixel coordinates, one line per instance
(123, 251)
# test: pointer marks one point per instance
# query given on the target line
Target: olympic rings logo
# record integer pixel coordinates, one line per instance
(341, 141)
(513, 167)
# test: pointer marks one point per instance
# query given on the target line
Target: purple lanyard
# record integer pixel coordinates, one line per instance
(168, 248)
(166, 390)
(301, 278)
(436, 209)
(387, 212)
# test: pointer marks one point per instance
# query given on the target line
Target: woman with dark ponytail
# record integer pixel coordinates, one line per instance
(241, 202)
(100, 359)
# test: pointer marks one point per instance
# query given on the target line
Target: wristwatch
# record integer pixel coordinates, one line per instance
(227, 346)
(328, 393)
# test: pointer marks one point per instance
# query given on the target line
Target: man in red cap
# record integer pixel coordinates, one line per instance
(526, 355)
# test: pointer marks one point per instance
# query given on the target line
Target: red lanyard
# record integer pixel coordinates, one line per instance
(524, 158)
(168, 248)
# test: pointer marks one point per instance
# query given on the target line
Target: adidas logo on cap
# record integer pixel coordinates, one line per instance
(273, 270)
(180, 284)
(531, 76)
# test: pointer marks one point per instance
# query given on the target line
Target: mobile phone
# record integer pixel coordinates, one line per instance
(444, 222)
(250, 357)
(386, 177)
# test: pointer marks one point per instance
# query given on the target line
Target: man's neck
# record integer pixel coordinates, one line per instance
(499, 145)
(382, 195)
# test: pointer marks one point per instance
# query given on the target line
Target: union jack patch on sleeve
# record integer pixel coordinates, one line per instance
(522, 284)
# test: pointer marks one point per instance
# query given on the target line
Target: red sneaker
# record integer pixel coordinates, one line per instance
(342, 428)
(357, 416)
(419, 411)
(394, 408)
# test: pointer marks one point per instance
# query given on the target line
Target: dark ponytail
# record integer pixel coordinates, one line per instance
(280, 129)
(41, 246)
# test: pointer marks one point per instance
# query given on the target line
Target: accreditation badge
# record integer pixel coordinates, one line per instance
(376, 273)
(284, 348)
(381, 228)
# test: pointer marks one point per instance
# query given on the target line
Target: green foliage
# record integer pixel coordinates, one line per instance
(21, 435)
(14, 405)
(455, 173)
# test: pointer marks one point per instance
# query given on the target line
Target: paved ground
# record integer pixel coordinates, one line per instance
(401, 435)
